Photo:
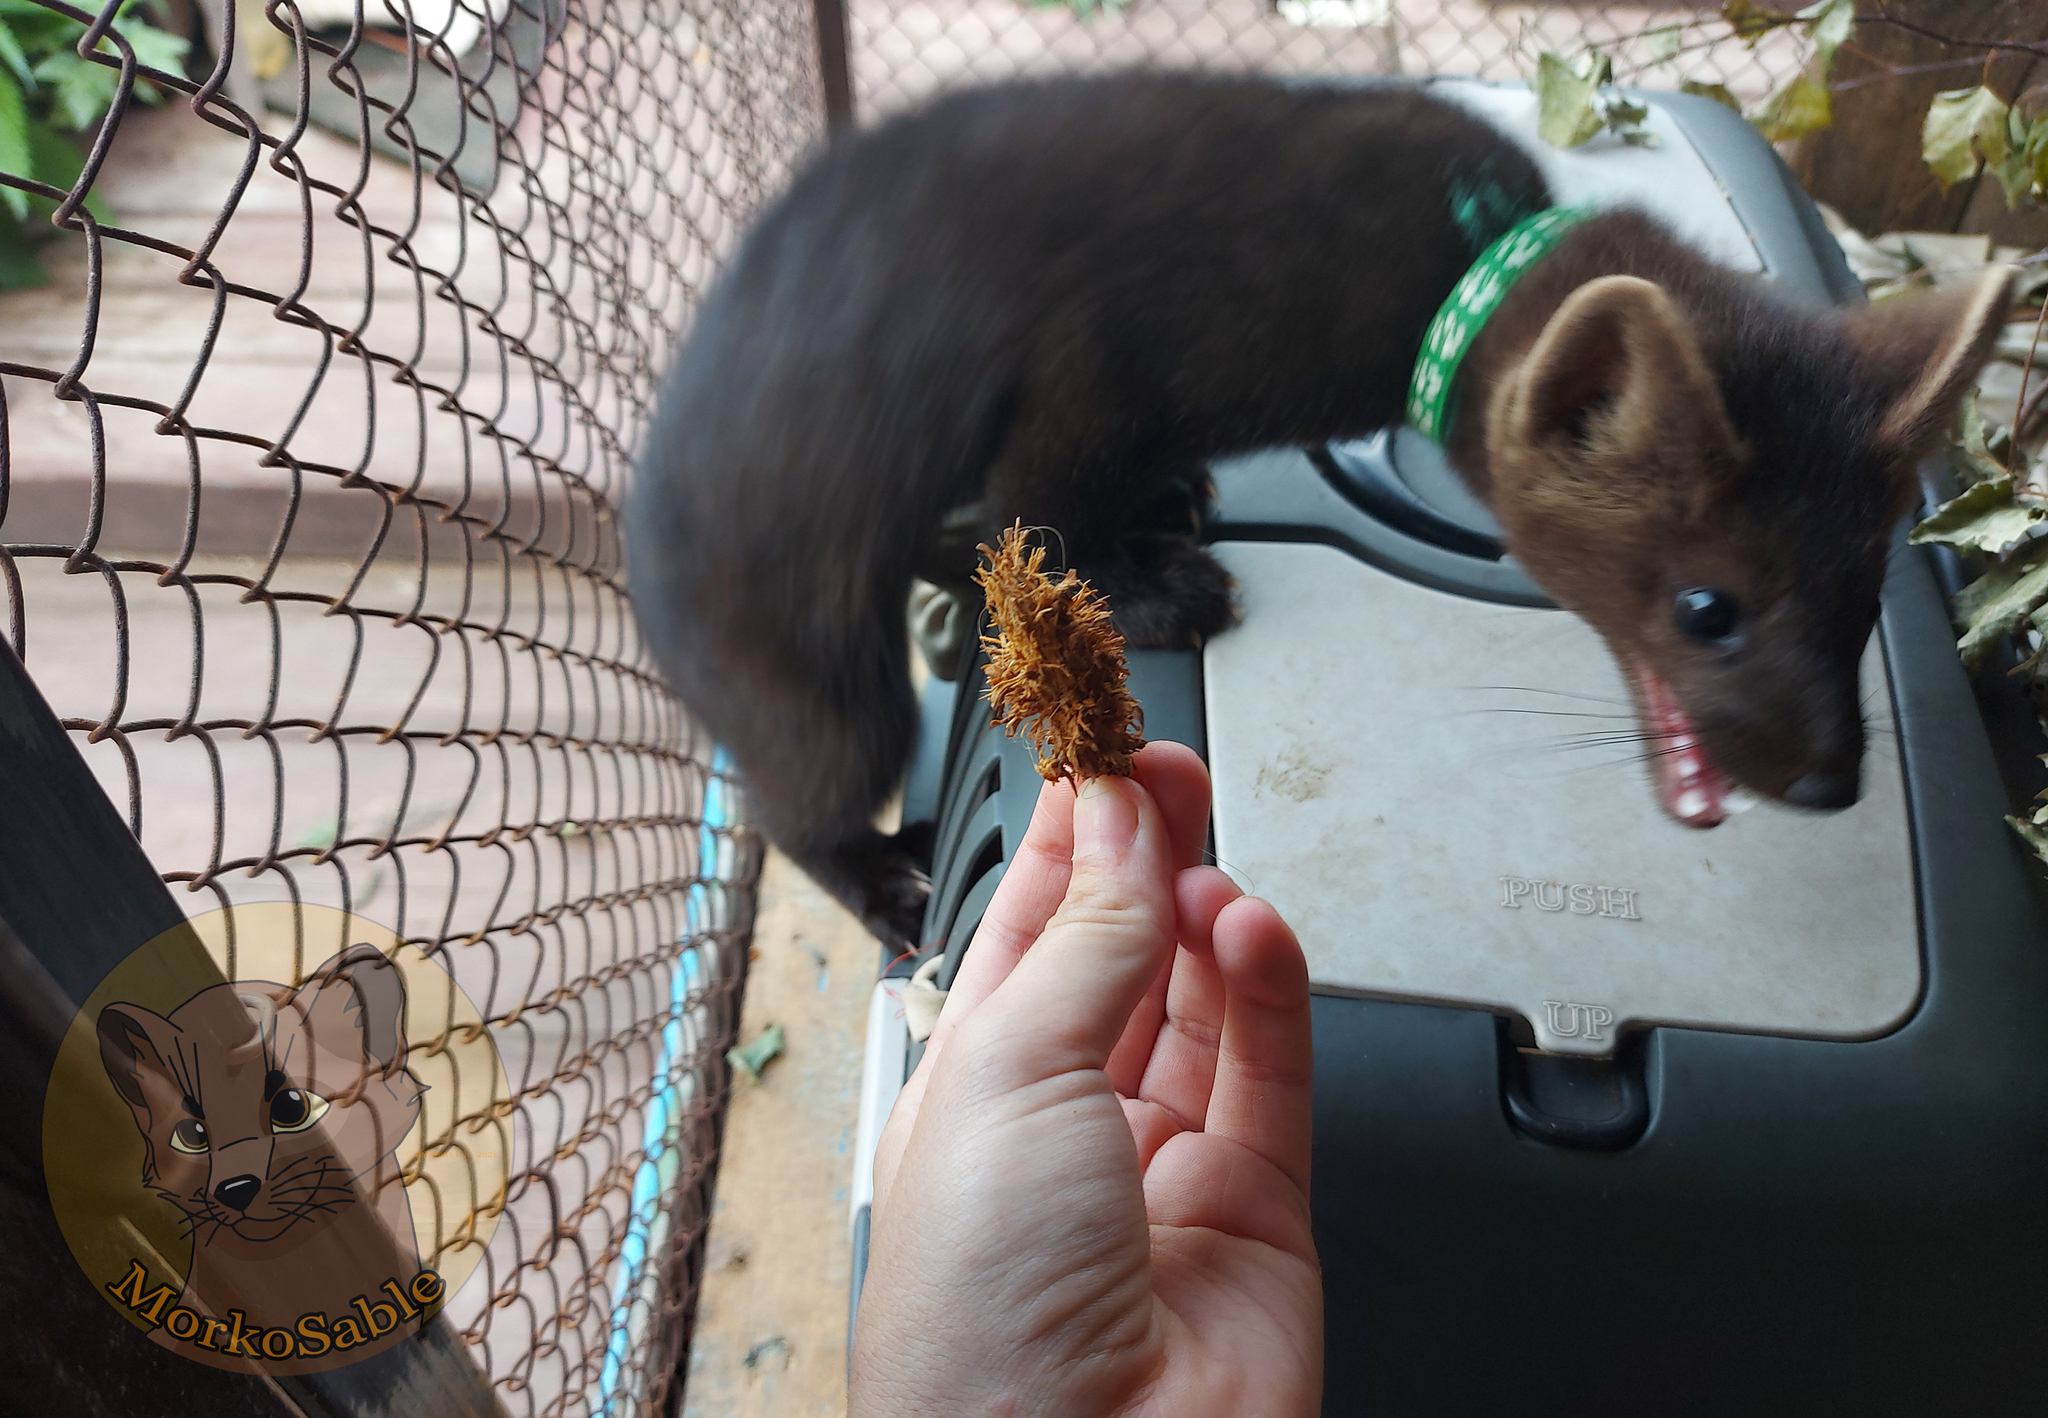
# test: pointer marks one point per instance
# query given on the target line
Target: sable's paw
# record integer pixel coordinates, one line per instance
(895, 882)
(881, 880)
(1165, 592)
(894, 911)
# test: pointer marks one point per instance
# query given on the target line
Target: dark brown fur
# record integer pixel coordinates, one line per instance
(1058, 302)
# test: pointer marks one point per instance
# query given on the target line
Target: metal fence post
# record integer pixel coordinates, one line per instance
(833, 65)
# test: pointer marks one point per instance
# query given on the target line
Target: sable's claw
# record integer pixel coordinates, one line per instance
(895, 911)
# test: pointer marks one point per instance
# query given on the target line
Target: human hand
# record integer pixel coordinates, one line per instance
(1092, 1196)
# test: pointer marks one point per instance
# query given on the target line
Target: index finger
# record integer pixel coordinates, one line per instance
(1033, 885)
(1035, 881)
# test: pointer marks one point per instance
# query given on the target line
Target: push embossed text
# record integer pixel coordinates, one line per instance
(1579, 898)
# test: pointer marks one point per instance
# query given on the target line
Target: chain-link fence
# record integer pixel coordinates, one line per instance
(904, 50)
(311, 449)
(312, 440)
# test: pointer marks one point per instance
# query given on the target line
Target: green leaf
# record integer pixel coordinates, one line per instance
(1982, 448)
(1717, 92)
(1999, 131)
(1619, 113)
(1985, 518)
(2000, 599)
(1083, 9)
(2035, 837)
(1752, 21)
(1799, 108)
(15, 155)
(37, 29)
(1970, 423)
(2038, 623)
(751, 1059)
(1828, 23)
(2032, 835)
(19, 268)
(1665, 42)
(57, 159)
(11, 54)
(60, 163)
(1974, 466)
(153, 48)
(2037, 157)
(1565, 116)
(2011, 156)
(84, 90)
(1958, 122)
(2014, 178)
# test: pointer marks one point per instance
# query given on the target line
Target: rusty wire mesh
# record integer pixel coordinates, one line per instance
(311, 451)
(904, 50)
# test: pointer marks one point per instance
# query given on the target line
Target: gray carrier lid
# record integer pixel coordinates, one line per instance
(1404, 774)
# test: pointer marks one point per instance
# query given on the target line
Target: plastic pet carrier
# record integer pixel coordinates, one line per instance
(1612, 1115)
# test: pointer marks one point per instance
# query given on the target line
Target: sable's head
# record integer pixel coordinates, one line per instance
(264, 1107)
(1717, 498)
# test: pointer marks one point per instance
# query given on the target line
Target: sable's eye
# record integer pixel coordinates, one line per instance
(295, 1110)
(189, 1136)
(1708, 615)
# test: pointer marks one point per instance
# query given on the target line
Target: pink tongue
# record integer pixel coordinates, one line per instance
(1691, 790)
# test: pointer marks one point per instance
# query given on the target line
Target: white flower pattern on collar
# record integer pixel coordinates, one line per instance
(1465, 311)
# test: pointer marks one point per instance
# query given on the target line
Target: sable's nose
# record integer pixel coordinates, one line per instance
(237, 1192)
(1827, 791)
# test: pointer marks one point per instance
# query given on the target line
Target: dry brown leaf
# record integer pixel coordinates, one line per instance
(1056, 666)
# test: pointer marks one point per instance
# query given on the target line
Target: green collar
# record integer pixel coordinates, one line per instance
(1470, 304)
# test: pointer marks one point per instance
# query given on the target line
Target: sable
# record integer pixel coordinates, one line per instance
(1057, 302)
(1056, 666)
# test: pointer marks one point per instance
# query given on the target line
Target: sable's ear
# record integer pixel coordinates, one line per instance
(1618, 365)
(133, 1042)
(361, 991)
(1927, 349)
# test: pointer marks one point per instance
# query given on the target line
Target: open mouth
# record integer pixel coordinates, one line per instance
(1692, 790)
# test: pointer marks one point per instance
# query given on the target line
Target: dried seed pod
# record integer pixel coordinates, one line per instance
(1056, 666)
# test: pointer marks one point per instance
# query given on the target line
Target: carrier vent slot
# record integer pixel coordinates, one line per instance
(958, 844)
(980, 847)
(972, 907)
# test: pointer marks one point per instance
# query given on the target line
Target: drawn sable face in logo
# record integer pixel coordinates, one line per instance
(270, 1117)
(277, 1138)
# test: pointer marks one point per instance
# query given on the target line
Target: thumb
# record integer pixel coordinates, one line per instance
(1076, 987)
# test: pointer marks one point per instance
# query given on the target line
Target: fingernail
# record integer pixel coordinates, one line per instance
(1105, 817)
